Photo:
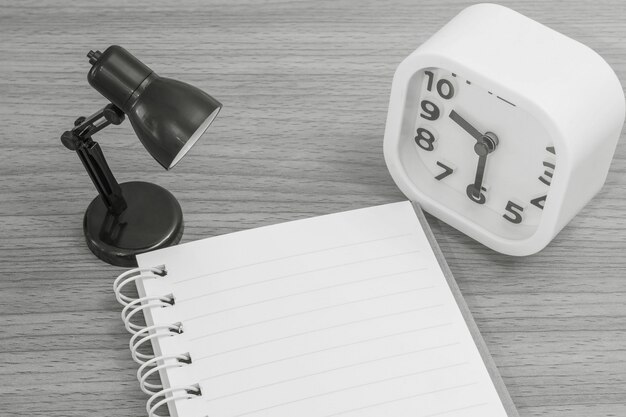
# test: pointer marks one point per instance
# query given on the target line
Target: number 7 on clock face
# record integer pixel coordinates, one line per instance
(488, 127)
(482, 150)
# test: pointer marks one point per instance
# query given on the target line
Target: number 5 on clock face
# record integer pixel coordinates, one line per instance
(503, 160)
(489, 128)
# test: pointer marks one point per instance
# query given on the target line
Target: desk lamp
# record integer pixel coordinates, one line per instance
(168, 116)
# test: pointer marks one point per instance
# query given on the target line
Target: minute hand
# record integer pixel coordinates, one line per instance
(480, 173)
(474, 191)
(456, 118)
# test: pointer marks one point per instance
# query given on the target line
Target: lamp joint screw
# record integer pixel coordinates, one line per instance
(70, 140)
(113, 114)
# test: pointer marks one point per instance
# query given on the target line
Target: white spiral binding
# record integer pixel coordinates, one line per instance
(129, 276)
(143, 374)
(137, 305)
(151, 406)
(150, 363)
(143, 335)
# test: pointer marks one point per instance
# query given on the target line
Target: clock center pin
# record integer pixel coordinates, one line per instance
(487, 144)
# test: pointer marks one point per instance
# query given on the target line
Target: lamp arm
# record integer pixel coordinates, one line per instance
(79, 139)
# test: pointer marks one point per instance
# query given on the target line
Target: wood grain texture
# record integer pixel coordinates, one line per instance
(305, 89)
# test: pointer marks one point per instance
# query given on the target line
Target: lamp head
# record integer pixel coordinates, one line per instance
(168, 116)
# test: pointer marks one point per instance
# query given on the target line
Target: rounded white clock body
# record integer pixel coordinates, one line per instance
(502, 127)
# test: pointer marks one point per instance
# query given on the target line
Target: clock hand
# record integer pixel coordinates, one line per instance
(474, 190)
(465, 125)
(487, 144)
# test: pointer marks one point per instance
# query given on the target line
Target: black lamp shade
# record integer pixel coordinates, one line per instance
(169, 116)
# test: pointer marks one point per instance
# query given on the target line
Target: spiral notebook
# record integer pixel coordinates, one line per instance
(349, 314)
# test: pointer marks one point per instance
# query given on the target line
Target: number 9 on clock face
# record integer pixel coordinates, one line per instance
(490, 129)
(479, 152)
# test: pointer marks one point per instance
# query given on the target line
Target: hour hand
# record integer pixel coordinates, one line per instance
(456, 118)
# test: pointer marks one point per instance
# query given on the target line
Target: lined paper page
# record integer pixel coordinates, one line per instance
(341, 315)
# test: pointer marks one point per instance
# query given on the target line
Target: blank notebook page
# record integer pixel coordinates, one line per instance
(347, 314)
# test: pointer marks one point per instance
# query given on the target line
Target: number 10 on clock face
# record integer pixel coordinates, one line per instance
(490, 129)
(479, 153)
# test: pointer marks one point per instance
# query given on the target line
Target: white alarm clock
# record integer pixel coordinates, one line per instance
(502, 127)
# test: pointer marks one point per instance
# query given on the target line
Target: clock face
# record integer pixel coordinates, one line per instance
(481, 154)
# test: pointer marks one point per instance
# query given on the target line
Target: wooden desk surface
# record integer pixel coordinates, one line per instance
(305, 89)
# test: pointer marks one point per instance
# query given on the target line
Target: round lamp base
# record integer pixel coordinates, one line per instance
(152, 220)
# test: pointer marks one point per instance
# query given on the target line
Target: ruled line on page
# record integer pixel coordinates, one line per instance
(329, 348)
(398, 313)
(422, 371)
(318, 309)
(327, 268)
(295, 294)
(326, 249)
(371, 383)
(408, 397)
